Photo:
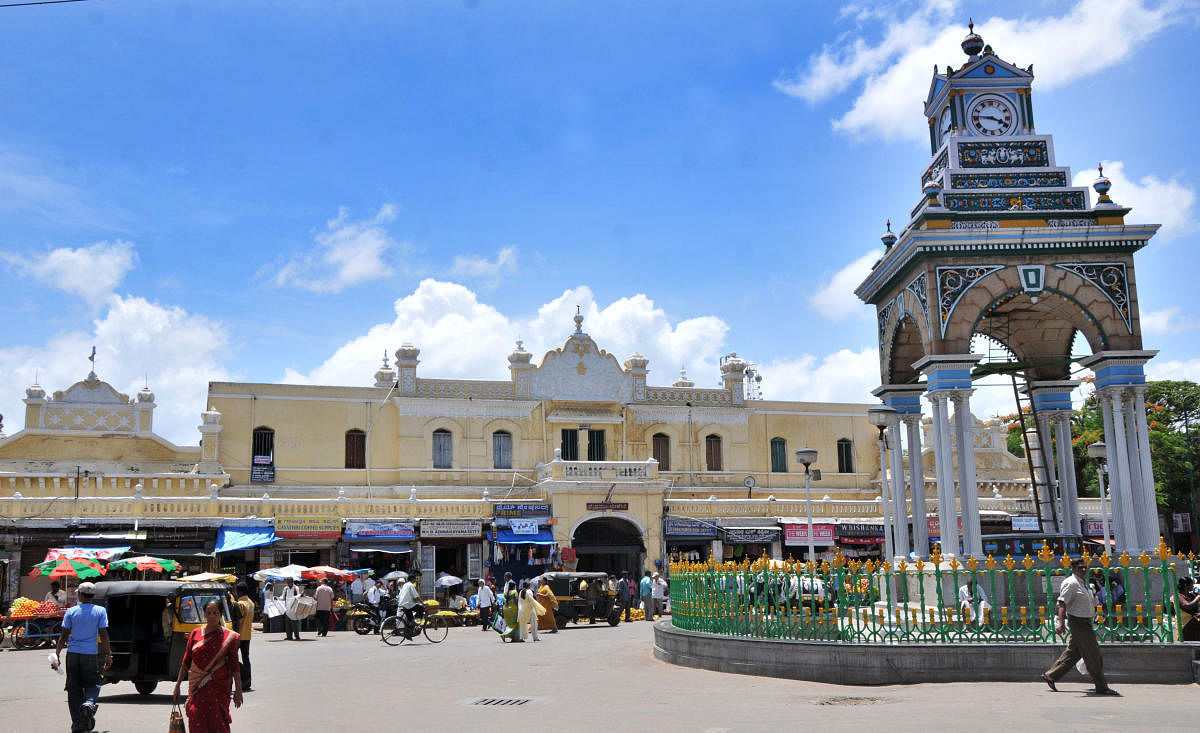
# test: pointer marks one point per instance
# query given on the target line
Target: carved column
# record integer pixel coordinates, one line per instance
(899, 502)
(1068, 490)
(1148, 533)
(947, 506)
(916, 483)
(967, 490)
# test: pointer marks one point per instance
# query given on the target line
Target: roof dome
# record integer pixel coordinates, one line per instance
(973, 43)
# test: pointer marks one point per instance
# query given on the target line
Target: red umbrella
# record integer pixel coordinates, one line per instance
(326, 571)
(68, 568)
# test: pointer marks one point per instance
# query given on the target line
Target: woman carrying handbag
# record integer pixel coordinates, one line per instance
(210, 661)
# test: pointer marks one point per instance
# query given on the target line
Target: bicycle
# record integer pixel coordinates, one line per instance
(393, 632)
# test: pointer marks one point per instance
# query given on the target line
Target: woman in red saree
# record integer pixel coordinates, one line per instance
(211, 663)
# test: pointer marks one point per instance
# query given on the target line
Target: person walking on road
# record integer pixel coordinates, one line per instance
(658, 594)
(291, 626)
(1076, 607)
(324, 597)
(623, 594)
(245, 629)
(486, 602)
(81, 626)
(646, 591)
(210, 661)
(527, 612)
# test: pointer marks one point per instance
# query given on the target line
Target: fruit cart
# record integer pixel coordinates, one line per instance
(31, 624)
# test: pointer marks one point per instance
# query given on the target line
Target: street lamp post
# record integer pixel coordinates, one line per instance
(808, 456)
(1099, 451)
(884, 417)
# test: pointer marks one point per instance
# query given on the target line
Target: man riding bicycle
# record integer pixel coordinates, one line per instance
(407, 600)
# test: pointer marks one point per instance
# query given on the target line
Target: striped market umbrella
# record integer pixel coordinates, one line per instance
(145, 562)
(80, 568)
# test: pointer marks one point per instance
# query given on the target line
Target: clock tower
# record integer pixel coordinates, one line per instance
(1001, 244)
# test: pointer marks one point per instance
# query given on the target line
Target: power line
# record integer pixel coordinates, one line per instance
(38, 2)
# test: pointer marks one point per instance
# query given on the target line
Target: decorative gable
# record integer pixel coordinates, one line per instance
(581, 370)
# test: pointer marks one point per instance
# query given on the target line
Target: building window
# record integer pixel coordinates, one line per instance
(778, 455)
(443, 449)
(501, 449)
(356, 449)
(661, 447)
(712, 452)
(263, 447)
(596, 445)
(570, 444)
(845, 451)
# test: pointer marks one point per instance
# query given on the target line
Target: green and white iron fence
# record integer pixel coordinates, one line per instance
(937, 601)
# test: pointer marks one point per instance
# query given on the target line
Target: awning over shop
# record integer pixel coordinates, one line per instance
(508, 537)
(97, 553)
(398, 548)
(191, 551)
(243, 538)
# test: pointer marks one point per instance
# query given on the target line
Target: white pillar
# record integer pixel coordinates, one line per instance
(947, 508)
(899, 502)
(1068, 489)
(967, 490)
(1146, 500)
(1119, 477)
(1115, 504)
(916, 482)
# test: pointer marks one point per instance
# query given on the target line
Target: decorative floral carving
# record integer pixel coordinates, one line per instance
(885, 313)
(935, 169)
(1023, 201)
(953, 283)
(1111, 279)
(918, 288)
(1011, 154)
(1048, 179)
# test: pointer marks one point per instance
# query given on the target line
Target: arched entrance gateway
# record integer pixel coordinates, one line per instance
(608, 544)
(1002, 246)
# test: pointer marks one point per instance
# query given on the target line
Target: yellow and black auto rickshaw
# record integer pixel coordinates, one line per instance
(148, 624)
(575, 604)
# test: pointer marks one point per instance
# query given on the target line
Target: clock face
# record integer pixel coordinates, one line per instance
(944, 123)
(991, 116)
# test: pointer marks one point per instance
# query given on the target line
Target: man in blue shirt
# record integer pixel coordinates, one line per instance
(644, 589)
(81, 626)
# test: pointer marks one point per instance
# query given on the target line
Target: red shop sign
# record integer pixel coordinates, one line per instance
(861, 540)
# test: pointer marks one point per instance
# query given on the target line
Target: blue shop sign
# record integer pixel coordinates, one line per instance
(521, 511)
(682, 527)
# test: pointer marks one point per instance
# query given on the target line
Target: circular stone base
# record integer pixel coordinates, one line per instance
(899, 664)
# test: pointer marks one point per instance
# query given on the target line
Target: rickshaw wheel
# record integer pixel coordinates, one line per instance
(21, 638)
(145, 687)
(614, 618)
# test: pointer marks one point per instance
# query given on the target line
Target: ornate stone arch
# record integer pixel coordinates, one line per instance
(631, 518)
(502, 425)
(907, 342)
(458, 434)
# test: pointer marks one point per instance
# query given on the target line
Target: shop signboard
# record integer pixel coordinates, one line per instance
(860, 534)
(523, 526)
(685, 527)
(262, 474)
(380, 531)
(518, 511)
(451, 527)
(797, 534)
(308, 527)
(607, 506)
(1025, 524)
(1095, 528)
(1182, 522)
(934, 524)
(750, 535)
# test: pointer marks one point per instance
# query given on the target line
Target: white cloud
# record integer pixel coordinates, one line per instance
(895, 70)
(461, 337)
(92, 273)
(1166, 322)
(835, 298)
(481, 267)
(843, 376)
(347, 253)
(1182, 369)
(136, 340)
(1154, 201)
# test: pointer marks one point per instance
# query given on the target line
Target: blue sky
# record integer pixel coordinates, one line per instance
(269, 191)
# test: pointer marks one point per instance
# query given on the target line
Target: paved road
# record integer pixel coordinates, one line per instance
(573, 681)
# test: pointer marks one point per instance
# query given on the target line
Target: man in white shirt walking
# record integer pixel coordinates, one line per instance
(291, 626)
(1075, 609)
(324, 598)
(375, 593)
(485, 601)
(658, 593)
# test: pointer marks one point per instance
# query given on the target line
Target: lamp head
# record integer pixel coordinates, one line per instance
(882, 416)
(806, 456)
(1097, 450)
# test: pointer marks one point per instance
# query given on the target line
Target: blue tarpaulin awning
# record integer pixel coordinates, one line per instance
(243, 538)
(508, 537)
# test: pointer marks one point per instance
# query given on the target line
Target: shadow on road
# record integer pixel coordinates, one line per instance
(135, 698)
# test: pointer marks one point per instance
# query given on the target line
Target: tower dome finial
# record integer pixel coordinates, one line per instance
(973, 43)
(578, 320)
(1102, 186)
(888, 237)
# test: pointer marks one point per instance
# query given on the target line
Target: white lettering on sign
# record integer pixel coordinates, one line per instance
(978, 224)
(1056, 223)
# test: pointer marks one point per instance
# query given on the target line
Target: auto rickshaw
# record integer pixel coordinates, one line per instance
(148, 624)
(573, 605)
